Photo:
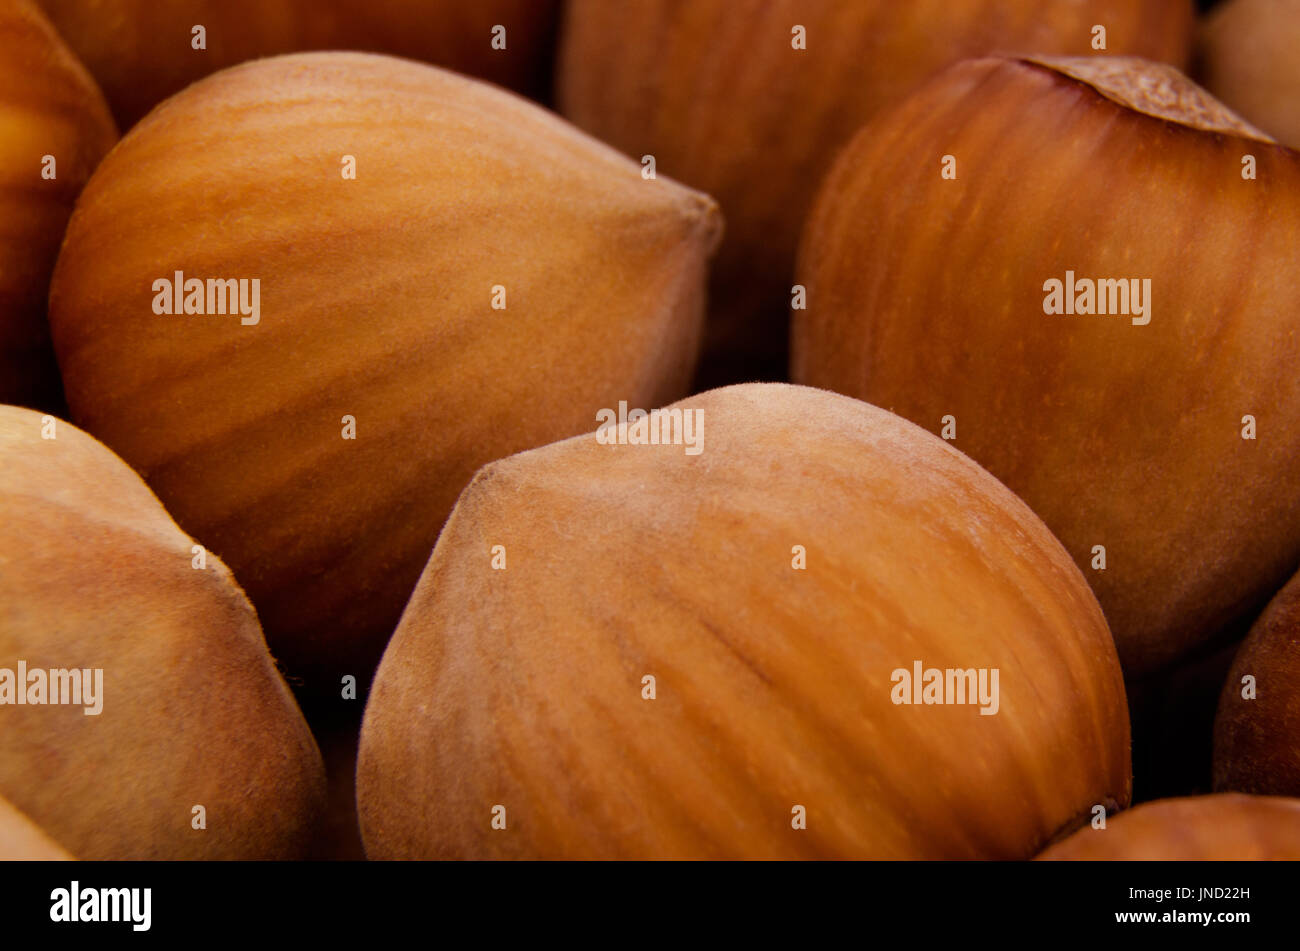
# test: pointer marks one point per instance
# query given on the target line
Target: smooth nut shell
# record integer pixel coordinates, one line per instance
(1220, 828)
(94, 574)
(376, 303)
(523, 687)
(1257, 741)
(49, 105)
(141, 51)
(714, 90)
(926, 296)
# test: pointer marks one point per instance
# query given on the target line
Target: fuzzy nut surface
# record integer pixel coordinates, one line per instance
(95, 575)
(523, 688)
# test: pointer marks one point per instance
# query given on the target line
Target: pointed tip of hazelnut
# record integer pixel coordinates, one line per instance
(1155, 89)
(709, 222)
